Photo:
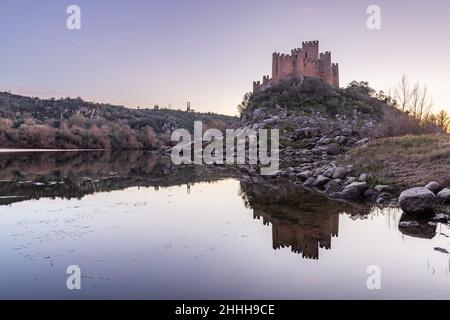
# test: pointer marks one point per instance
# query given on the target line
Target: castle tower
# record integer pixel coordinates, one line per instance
(310, 50)
(325, 69)
(335, 70)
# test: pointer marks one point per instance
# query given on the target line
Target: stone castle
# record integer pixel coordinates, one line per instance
(301, 63)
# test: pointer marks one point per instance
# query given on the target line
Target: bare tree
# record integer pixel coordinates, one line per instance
(403, 93)
(413, 99)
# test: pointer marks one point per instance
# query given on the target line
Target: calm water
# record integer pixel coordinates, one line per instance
(139, 228)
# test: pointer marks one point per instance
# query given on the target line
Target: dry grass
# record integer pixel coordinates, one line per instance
(406, 161)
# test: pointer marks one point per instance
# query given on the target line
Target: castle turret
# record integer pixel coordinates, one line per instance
(335, 68)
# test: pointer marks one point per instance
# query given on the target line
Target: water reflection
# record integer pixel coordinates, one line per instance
(301, 219)
(68, 175)
(142, 228)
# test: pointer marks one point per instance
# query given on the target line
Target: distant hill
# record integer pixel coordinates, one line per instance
(28, 122)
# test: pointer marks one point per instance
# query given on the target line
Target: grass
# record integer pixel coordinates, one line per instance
(406, 161)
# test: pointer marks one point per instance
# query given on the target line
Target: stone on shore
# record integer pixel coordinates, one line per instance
(384, 198)
(321, 181)
(363, 177)
(418, 201)
(309, 182)
(353, 191)
(385, 188)
(371, 194)
(339, 173)
(434, 187)
(444, 196)
(334, 149)
(333, 186)
(305, 175)
(329, 173)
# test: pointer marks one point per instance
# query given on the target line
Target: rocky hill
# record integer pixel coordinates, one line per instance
(335, 140)
(27, 122)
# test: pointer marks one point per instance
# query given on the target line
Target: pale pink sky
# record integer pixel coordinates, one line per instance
(141, 53)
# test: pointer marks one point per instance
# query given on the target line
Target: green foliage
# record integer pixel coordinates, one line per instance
(313, 95)
(73, 123)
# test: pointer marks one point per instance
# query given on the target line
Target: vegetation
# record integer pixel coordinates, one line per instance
(314, 95)
(410, 111)
(73, 123)
(407, 111)
(412, 160)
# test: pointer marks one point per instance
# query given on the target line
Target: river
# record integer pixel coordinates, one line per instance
(138, 227)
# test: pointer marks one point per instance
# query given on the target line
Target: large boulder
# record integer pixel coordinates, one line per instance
(339, 173)
(434, 187)
(353, 191)
(418, 201)
(444, 196)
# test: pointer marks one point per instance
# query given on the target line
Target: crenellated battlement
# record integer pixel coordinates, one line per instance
(310, 43)
(300, 63)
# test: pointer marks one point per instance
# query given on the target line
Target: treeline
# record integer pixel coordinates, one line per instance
(73, 123)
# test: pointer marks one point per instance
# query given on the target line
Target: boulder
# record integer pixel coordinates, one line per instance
(418, 201)
(329, 173)
(309, 182)
(333, 186)
(350, 180)
(334, 149)
(371, 194)
(305, 175)
(385, 188)
(384, 198)
(339, 173)
(444, 196)
(353, 191)
(363, 177)
(434, 187)
(320, 181)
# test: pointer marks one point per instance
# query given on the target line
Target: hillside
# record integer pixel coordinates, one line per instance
(348, 143)
(27, 122)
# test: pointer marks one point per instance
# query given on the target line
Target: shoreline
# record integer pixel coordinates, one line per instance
(47, 150)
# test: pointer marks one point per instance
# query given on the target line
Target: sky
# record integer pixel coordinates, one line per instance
(209, 52)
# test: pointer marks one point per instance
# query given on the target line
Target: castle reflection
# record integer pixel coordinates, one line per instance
(301, 219)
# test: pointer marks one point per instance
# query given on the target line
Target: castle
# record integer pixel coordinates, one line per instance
(301, 63)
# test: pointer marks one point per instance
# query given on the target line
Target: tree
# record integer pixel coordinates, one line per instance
(402, 93)
(413, 99)
(244, 104)
(362, 87)
(443, 120)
